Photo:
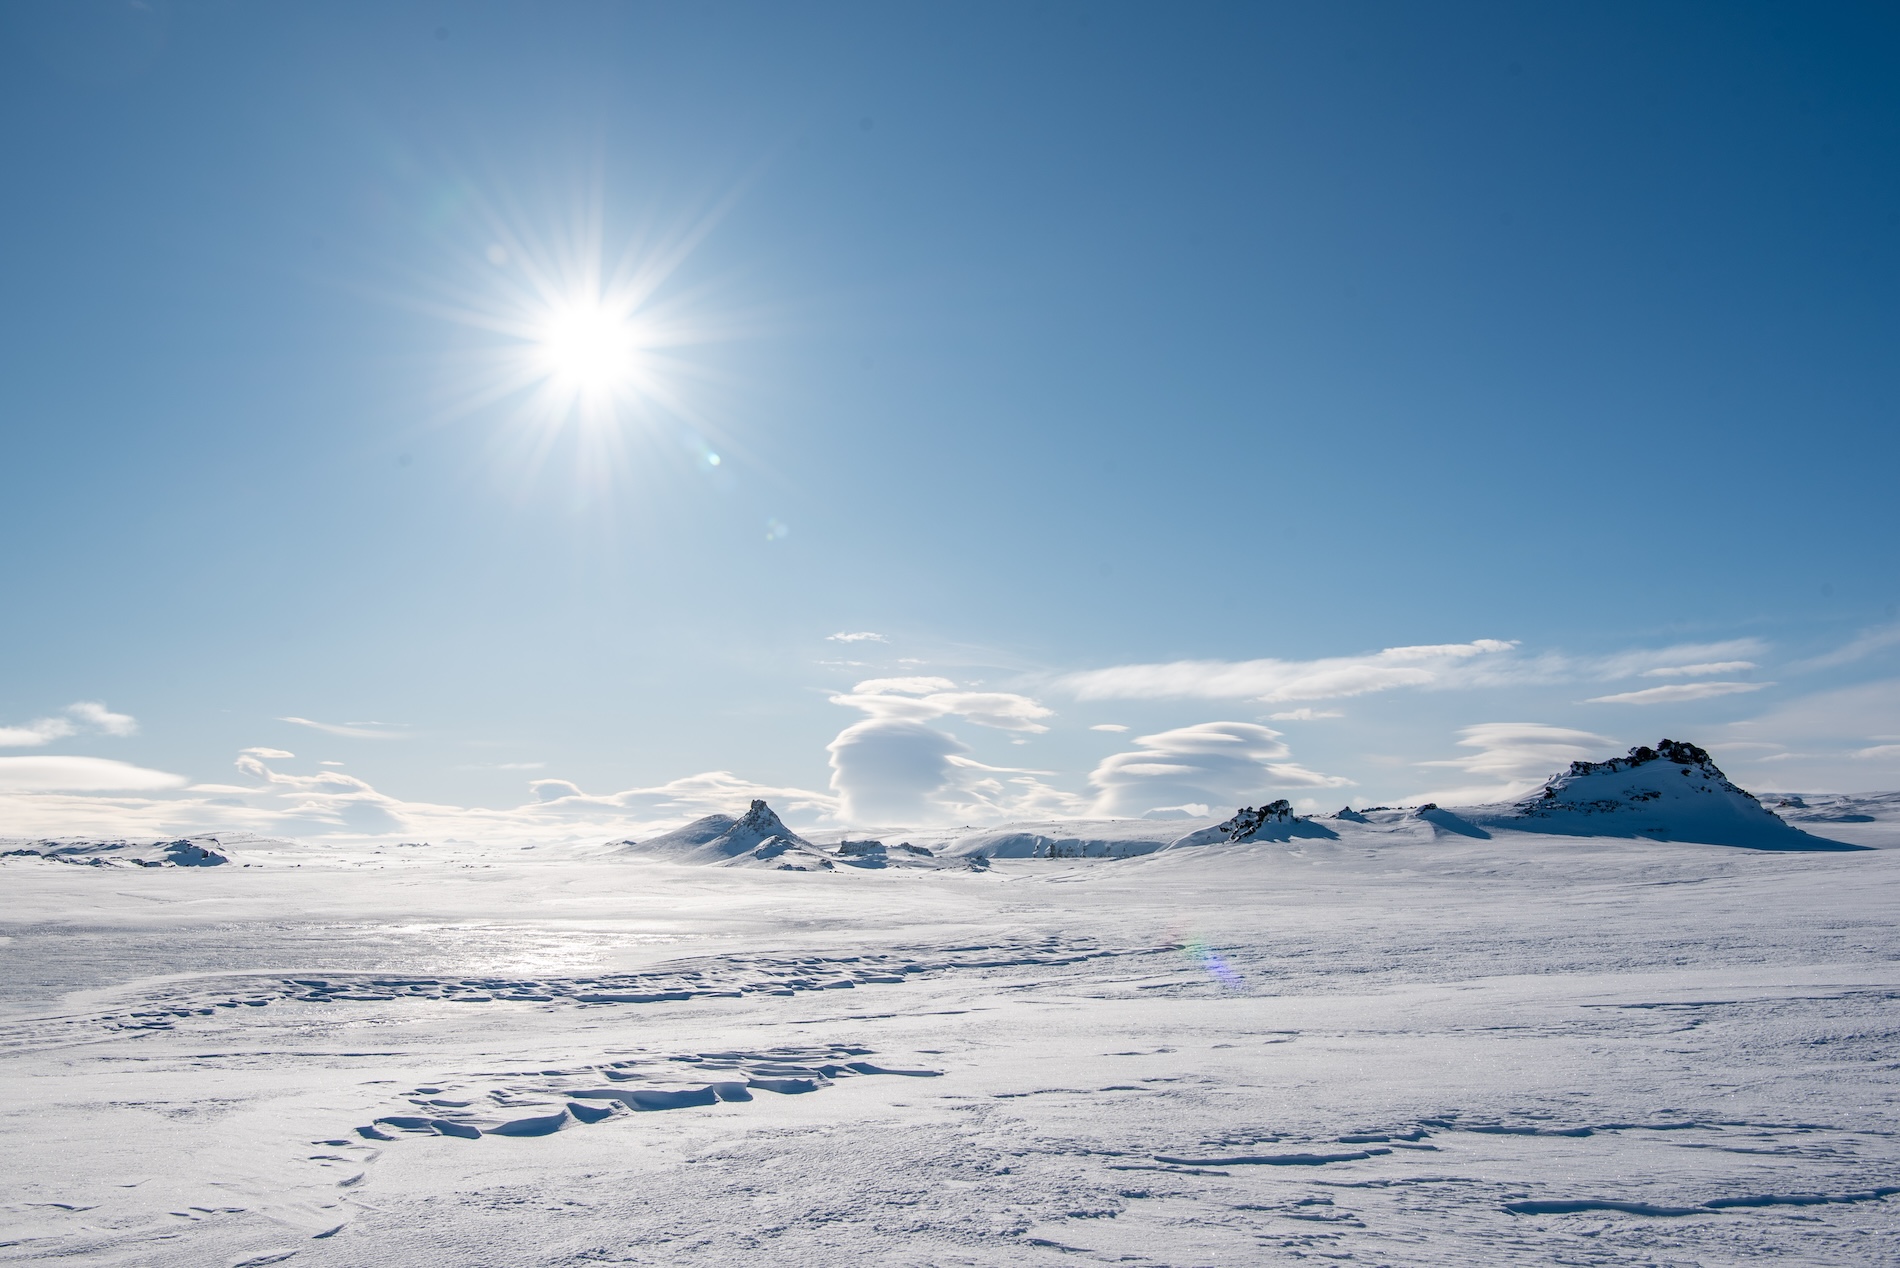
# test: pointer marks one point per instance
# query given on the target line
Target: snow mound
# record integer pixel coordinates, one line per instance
(1672, 792)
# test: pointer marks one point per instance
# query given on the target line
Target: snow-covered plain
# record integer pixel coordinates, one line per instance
(1414, 1037)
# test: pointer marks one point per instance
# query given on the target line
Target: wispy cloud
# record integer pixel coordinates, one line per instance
(1681, 659)
(1108, 726)
(94, 714)
(1700, 671)
(1863, 645)
(1304, 715)
(1271, 681)
(1514, 757)
(354, 730)
(1678, 693)
(267, 753)
(861, 636)
(81, 716)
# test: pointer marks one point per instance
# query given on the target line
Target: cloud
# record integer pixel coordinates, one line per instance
(921, 699)
(94, 714)
(862, 636)
(890, 770)
(1108, 726)
(35, 733)
(1214, 762)
(893, 767)
(355, 730)
(1863, 645)
(1686, 659)
(1699, 671)
(1841, 740)
(81, 715)
(1515, 757)
(1678, 693)
(267, 753)
(81, 774)
(60, 795)
(1304, 715)
(1271, 681)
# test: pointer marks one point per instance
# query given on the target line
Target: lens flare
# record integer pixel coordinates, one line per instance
(1210, 962)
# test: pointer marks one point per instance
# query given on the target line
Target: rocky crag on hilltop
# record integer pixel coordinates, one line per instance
(1274, 821)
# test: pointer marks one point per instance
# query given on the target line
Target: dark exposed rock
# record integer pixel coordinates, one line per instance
(1248, 820)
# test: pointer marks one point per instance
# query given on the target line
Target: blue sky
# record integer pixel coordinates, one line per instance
(1115, 366)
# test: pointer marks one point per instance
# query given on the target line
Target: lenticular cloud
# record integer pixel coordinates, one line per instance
(1209, 762)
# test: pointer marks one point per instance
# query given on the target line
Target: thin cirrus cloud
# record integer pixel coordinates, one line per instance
(1271, 680)
(860, 636)
(354, 730)
(79, 717)
(1210, 762)
(1860, 647)
(1679, 693)
(1700, 671)
(1304, 715)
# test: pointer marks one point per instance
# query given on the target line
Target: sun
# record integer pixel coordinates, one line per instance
(581, 350)
(590, 352)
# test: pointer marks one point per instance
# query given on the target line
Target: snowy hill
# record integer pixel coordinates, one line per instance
(183, 852)
(1274, 821)
(1673, 792)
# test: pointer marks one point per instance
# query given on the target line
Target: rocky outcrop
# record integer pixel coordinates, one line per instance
(1248, 821)
(1672, 792)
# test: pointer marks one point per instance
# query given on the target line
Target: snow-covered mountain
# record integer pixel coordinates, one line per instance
(722, 838)
(759, 838)
(1673, 792)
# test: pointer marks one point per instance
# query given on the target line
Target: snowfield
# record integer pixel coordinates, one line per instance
(1411, 1036)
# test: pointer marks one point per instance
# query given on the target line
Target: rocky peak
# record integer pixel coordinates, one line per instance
(762, 819)
(1249, 820)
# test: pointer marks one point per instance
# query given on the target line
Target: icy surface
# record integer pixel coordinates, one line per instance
(1428, 1038)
